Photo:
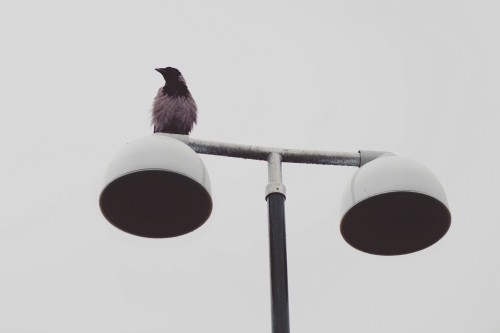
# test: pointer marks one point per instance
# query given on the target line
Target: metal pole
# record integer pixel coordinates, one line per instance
(287, 155)
(262, 153)
(275, 196)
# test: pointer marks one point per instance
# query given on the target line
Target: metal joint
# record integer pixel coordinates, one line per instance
(370, 155)
(275, 184)
(275, 188)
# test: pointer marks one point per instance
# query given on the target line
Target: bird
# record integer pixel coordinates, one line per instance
(174, 109)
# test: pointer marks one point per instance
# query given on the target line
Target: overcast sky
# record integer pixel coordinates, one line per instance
(418, 78)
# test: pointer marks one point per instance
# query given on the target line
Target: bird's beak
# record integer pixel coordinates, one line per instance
(158, 70)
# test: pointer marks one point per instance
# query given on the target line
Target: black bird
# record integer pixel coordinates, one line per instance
(174, 109)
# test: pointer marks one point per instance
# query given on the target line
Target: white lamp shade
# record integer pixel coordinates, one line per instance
(156, 187)
(394, 205)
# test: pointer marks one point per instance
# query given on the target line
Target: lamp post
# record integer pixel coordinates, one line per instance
(158, 187)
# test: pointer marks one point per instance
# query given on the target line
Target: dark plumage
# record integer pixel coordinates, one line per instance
(174, 109)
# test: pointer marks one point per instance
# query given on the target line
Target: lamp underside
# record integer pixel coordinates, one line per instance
(395, 223)
(155, 204)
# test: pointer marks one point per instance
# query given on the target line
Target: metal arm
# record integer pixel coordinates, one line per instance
(262, 153)
(287, 155)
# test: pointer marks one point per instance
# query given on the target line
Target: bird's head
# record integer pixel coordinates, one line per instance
(169, 73)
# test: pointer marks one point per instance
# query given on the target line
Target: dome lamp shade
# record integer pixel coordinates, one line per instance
(156, 187)
(394, 206)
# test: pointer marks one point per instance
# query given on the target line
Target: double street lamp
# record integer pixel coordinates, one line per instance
(158, 187)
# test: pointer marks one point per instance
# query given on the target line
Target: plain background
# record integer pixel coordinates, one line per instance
(418, 78)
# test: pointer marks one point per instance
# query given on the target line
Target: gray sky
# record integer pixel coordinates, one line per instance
(418, 78)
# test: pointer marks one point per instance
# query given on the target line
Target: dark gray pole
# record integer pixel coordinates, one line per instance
(277, 256)
(275, 196)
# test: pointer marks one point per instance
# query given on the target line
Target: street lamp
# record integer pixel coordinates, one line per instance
(392, 206)
(158, 187)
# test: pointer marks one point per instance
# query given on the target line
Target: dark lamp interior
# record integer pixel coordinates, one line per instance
(155, 204)
(395, 223)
